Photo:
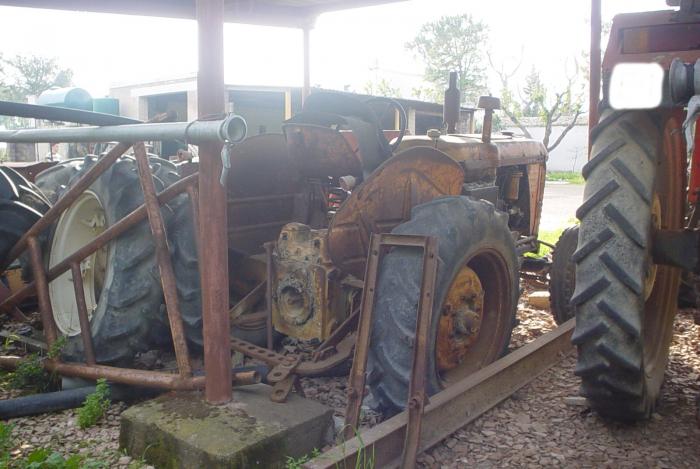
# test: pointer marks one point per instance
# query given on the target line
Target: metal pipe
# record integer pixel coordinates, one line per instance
(165, 266)
(149, 379)
(232, 129)
(268, 293)
(52, 113)
(42, 285)
(307, 64)
(212, 207)
(595, 69)
(85, 330)
(67, 399)
(106, 236)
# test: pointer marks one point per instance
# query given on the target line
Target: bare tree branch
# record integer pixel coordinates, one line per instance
(517, 122)
(566, 130)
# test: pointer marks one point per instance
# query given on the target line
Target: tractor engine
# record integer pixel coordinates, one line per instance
(310, 297)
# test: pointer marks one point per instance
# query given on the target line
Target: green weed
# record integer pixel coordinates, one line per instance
(30, 374)
(296, 463)
(95, 405)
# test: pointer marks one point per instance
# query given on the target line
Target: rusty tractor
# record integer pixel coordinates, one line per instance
(314, 197)
(639, 218)
(302, 210)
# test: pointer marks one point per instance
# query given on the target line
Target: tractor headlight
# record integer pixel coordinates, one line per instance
(636, 86)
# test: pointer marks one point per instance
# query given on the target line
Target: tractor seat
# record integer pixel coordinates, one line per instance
(315, 141)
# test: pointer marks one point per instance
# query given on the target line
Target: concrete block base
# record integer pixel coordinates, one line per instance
(180, 430)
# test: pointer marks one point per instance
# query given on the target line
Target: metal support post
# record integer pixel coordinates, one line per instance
(212, 207)
(594, 84)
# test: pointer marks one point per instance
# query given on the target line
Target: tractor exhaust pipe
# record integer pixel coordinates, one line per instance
(450, 109)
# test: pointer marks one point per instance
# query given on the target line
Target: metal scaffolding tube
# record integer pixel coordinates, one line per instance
(232, 129)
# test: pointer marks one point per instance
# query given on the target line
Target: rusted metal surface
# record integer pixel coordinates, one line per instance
(321, 151)
(85, 330)
(212, 207)
(269, 247)
(488, 104)
(264, 193)
(356, 381)
(309, 298)
(417, 397)
(165, 267)
(151, 379)
(594, 67)
(102, 239)
(247, 302)
(536, 176)
(411, 177)
(453, 407)
(654, 36)
(460, 321)
(42, 283)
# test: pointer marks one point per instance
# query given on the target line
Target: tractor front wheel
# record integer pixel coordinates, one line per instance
(625, 304)
(476, 295)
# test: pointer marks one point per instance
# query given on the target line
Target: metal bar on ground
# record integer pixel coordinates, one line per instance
(85, 331)
(454, 407)
(417, 397)
(230, 129)
(212, 207)
(150, 379)
(103, 238)
(165, 266)
(42, 286)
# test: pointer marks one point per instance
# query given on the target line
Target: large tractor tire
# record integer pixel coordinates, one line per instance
(53, 180)
(562, 275)
(182, 235)
(625, 304)
(122, 285)
(21, 205)
(475, 301)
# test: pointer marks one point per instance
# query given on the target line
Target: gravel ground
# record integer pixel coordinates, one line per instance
(535, 428)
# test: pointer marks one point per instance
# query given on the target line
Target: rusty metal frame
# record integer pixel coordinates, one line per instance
(151, 210)
(454, 407)
(417, 397)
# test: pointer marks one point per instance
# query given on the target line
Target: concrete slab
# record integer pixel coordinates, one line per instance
(180, 430)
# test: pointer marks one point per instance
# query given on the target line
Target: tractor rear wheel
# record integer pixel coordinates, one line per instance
(625, 304)
(562, 275)
(122, 286)
(21, 205)
(475, 299)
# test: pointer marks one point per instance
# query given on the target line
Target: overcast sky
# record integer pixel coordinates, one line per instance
(347, 48)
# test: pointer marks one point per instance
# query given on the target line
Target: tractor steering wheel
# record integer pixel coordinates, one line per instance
(380, 107)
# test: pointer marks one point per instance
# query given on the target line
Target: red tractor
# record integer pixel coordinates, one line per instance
(639, 218)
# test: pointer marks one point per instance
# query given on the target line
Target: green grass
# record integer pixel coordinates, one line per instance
(571, 177)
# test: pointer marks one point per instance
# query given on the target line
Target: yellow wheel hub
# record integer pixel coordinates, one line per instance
(460, 319)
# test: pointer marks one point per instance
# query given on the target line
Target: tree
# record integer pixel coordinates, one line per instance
(24, 76)
(453, 43)
(382, 88)
(557, 106)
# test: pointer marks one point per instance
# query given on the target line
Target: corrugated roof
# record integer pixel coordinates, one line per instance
(290, 13)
